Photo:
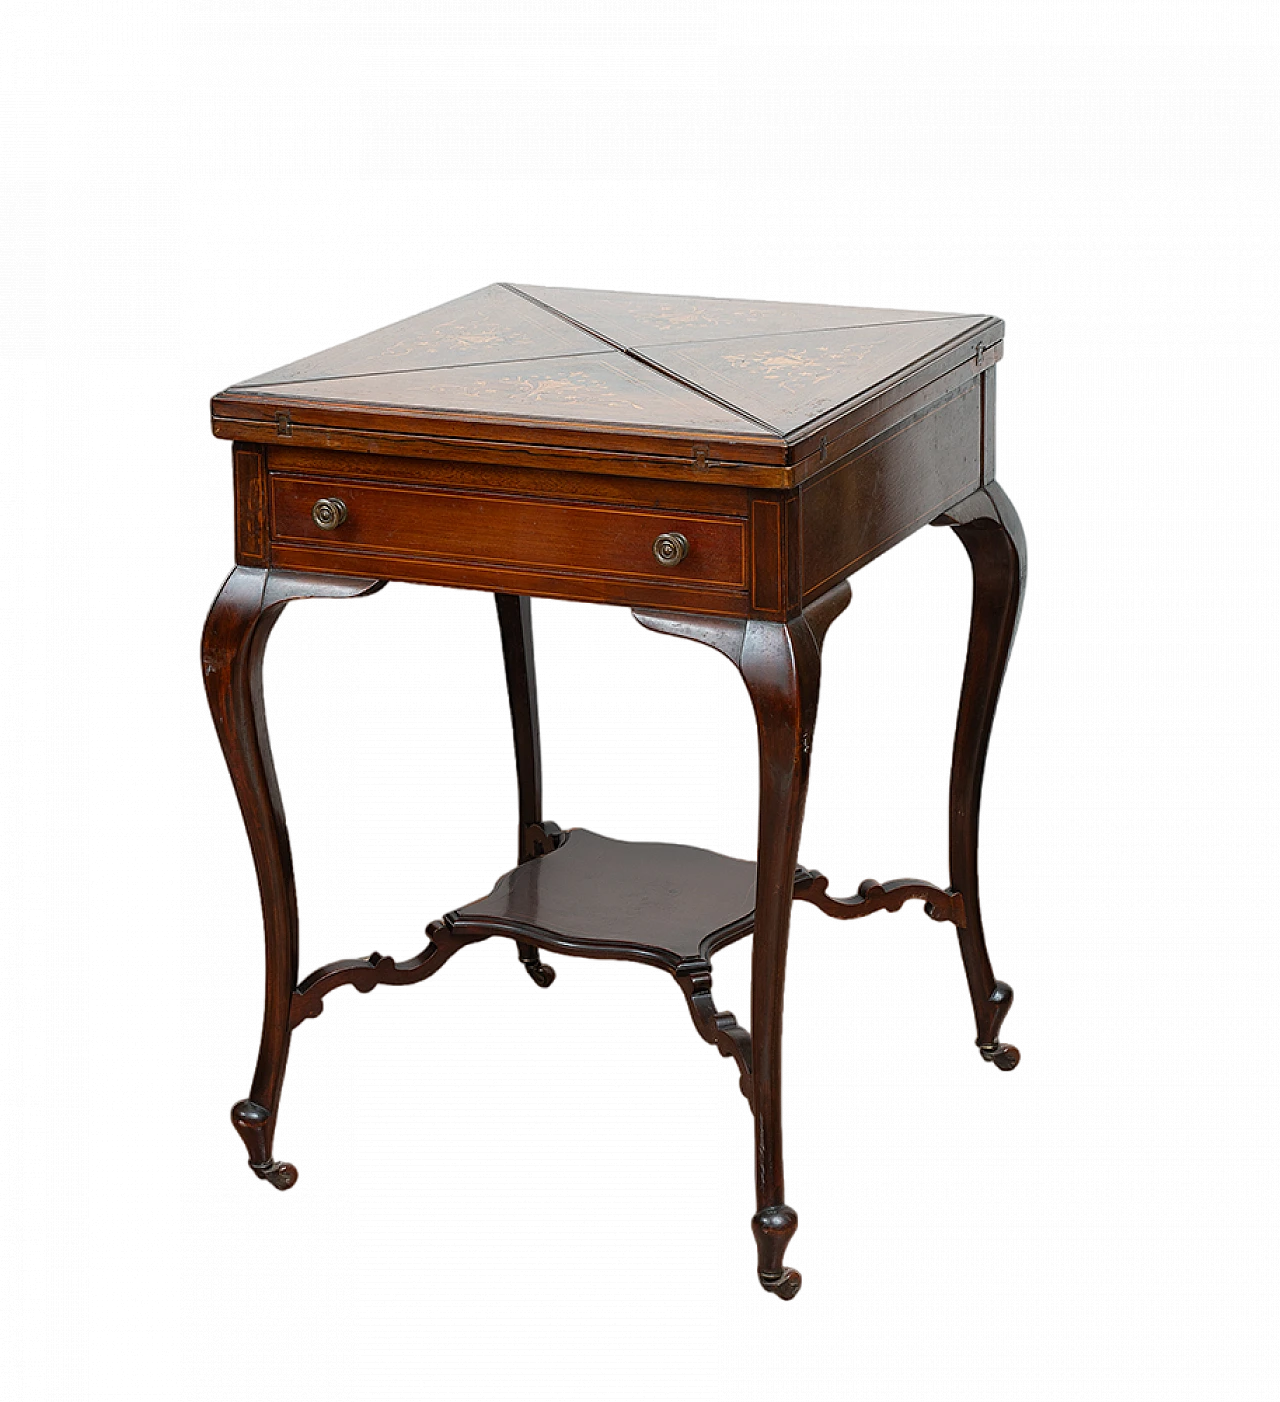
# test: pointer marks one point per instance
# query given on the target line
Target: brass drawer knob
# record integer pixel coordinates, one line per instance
(329, 513)
(670, 548)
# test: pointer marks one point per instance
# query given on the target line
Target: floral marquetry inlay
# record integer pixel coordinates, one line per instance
(789, 379)
(759, 373)
(569, 388)
(486, 327)
(606, 388)
(798, 367)
(639, 320)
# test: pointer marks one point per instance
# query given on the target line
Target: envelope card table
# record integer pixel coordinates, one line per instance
(718, 467)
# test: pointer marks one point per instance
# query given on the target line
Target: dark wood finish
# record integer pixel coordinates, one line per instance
(539, 536)
(654, 903)
(515, 622)
(771, 586)
(642, 320)
(789, 381)
(761, 385)
(773, 1228)
(991, 533)
(364, 975)
(903, 395)
(539, 441)
(614, 587)
(781, 665)
(597, 488)
(606, 388)
(511, 440)
(492, 325)
(877, 497)
(668, 906)
(448, 523)
(892, 895)
(235, 640)
(253, 529)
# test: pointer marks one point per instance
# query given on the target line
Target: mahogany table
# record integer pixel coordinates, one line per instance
(718, 467)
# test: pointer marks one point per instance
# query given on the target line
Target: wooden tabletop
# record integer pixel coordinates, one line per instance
(701, 380)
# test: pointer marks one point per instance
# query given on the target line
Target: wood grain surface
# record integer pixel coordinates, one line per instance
(692, 384)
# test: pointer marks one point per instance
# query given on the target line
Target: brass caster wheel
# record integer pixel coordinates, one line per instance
(279, 1175)
(1002, 1055)
(786, 1286)
(542, 974)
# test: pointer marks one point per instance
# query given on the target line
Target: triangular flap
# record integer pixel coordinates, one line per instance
(639, 320)
(607, 387)
(489, 326)
(788, 380)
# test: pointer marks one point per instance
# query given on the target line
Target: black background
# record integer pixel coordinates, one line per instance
(491, 1172)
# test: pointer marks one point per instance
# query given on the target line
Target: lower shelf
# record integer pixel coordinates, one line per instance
(652, 902)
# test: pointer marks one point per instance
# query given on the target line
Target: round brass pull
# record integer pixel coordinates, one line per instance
(670, 548)
(329, 513)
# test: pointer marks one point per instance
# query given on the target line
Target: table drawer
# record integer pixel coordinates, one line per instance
(492, 529)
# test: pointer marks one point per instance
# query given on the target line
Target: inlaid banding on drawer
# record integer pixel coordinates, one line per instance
(488, 528)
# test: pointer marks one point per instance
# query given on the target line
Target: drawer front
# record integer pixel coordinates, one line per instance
(489, 529)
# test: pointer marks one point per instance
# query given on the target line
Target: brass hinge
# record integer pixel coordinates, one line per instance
(700, 459)
(987, 356)
(284, 429)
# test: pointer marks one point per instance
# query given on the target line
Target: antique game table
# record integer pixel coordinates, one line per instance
(720, 468)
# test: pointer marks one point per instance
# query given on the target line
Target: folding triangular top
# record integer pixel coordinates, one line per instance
(625, 372)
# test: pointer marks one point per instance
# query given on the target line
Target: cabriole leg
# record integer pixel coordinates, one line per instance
(515, 622)
(235, 640)
(781, 665)
(991, 533)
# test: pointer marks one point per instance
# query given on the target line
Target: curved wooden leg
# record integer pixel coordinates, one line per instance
(991, 533)
(781, 665)
(235, 640)
(516, 625)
